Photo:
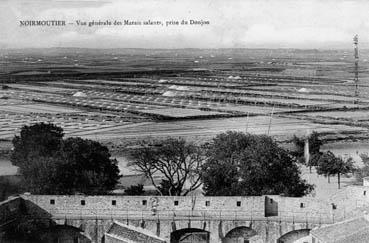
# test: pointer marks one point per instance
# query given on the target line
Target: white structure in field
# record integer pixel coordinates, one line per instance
(79, 94)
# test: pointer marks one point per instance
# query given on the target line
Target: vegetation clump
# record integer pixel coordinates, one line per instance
(50, 164)
(328, 165)
(250, 165)
(232, 164)
(178, 162)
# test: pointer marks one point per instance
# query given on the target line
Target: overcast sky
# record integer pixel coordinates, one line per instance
(233, 23)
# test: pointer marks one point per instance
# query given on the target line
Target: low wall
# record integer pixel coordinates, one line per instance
(304, 207)
(116, 206)
(351, 201)
(94, 214)
(287, 208)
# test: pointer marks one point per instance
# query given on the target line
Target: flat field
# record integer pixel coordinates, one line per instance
(136, 94)
(36, 108)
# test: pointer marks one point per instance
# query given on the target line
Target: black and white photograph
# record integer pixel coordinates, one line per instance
(184, 121)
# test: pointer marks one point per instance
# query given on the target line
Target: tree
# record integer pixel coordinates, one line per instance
(314, 149)
(51, 165)
(220, 179)
(314, 159)
(176, 161)
(166, 188)
(85, 167)
(39, 174)
(329, 164)
(135, 190)
(250, 165)
(38, 140)
(362, 172)
(8, 187)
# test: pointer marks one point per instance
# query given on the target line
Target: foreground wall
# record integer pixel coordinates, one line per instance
(306, 207)
(164, 215)
(271, 217)
(129, 206)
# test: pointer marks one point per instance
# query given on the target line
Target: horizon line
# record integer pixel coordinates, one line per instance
(183, 48)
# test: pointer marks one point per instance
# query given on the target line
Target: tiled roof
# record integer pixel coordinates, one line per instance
(361, 237)
(352, 231)
(128, 233)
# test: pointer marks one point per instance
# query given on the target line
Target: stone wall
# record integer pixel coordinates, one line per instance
(121, 206)
(96, 216)
(136, 207)
(305, 207)
(350, 201)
